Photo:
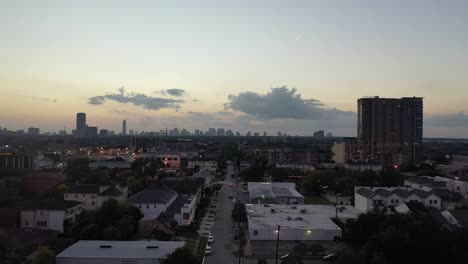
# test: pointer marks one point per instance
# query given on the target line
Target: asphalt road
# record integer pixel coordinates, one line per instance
(223, 228)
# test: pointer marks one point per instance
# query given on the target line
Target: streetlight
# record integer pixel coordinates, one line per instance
(336, 204)
(277, 243)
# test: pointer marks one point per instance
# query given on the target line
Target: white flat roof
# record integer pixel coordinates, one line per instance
(315, 216)
(120, 249)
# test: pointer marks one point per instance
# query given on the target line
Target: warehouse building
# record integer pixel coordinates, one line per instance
(274, 193)
(297, 222)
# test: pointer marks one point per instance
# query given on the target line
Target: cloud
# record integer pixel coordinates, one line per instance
(448, 120)
(174, 92)
(225, 113)
(138, 99)
(40, 98)
(281, 103)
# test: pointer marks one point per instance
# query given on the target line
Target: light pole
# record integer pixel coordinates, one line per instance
(336, 205)
(277, 244)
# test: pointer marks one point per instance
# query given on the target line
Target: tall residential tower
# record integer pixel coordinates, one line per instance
(391, 127)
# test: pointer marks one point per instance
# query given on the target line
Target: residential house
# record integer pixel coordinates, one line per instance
(424, 183)
(49, 214)
(152, 202)
(369, 198)
(93, 196)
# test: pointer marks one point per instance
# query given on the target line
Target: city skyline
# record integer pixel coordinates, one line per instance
(230, 64)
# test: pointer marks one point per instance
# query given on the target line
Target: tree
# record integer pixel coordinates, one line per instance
(239, 212)
(89, 232)
(181, 255)
(253, 174)
(44, 256)
(401, 238)
(111, 233)
(77, 169)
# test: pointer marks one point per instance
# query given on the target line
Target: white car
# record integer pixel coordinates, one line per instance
(210, 239)
(208, 250)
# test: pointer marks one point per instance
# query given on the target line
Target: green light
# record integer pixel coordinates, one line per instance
(309, 232)
(263, 196)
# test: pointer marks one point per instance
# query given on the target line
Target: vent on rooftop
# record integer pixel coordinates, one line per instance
(152, 246)
(105, 246)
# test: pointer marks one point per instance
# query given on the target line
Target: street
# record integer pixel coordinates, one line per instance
(223, 226)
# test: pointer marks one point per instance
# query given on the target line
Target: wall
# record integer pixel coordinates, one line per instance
(89, 200)
(54, 219)
(295, 234)
(339, 150)
(361, 202)
(104, 261)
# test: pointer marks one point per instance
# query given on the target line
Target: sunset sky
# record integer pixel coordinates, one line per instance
(290, 66)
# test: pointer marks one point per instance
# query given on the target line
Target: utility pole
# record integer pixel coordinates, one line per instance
(277, 244)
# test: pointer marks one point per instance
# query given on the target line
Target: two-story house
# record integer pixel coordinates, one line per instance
(93, 196)
(152, 202)
(49, 214)
(369, 198)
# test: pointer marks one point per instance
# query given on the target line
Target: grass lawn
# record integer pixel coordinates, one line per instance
(315, 199)
(201, 246)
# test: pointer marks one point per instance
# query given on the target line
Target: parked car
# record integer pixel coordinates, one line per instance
(208, 250)
(329, 257)
(210, 239)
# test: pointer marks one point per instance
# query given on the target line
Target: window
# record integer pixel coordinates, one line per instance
(430, 201)
(155, 206)
(139, 206)
(186, 216)
(76, 195)
(147, 206)
(93, 203)
(72, 211)
(458, 188)
(435, 201)
(392, 201)
(397, 201)
(83, 195)
(93, 196)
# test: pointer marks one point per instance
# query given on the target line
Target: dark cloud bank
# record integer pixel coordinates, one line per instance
(281, 103)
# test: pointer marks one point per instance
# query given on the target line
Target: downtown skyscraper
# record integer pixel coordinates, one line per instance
(80, 124)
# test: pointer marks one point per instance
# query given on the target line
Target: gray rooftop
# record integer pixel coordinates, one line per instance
(149, 196)
(365, 192)
(293, 216)
(272, 189)
(144, 249)
(383, 192)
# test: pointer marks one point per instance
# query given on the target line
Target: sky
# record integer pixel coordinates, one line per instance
(290, 66)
